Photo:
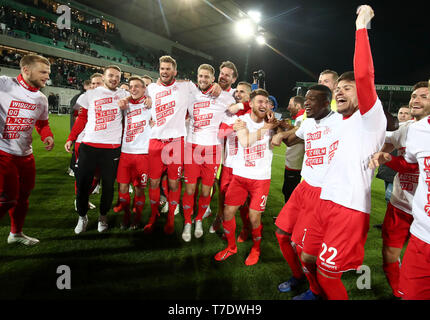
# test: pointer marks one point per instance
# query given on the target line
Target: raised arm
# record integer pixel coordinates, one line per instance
(363, 61)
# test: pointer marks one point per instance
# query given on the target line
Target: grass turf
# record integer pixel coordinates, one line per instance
(129, 264)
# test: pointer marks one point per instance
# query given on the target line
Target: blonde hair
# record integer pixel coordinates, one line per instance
(168, 59)
(95, 75)
(31, 59)
(112, 66)
(207, 67)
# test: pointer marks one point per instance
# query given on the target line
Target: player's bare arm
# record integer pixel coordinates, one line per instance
(288, 137)
(247, 138)
(236, 107)
(378, 159)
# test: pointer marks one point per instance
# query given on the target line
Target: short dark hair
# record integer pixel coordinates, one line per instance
(147, 77)
(87, 83)
(258, 92)
(230, 65)
(324, 90)
(347, 76)
(421, 84)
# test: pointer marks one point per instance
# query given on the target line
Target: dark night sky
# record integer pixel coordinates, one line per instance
(320, 35)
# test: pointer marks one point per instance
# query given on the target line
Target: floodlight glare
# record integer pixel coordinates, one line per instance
(255, 15)
(260, 40)
(245, 28)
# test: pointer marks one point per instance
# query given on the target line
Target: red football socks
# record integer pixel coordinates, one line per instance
(333, 288)
(188, 206)
(17, 216)
(310, 270)
(244, 214)
(254, 255)
(290, 255)
(174, 198)
(139, 203)
(392, 272)
(230, 232)
(203, 205)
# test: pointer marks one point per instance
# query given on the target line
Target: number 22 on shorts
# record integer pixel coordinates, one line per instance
(325, 250)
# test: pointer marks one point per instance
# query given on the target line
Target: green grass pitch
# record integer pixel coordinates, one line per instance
(129, 264)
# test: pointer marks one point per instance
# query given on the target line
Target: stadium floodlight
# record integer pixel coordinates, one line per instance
(245, 28)
(255, 15)
(260, 39)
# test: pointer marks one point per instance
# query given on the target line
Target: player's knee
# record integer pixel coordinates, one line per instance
(282, 232)
(307, 258)
(6, 205)
(390, 254)
(154, 183)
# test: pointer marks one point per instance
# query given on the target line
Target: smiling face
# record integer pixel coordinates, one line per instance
(346, 97)
(111, 78)
(316, 104)
(36, 74)
(420, 103)
(137, 89)
(242, 93)
(259, 105)
(226, 78)
(167, 72)
(205, 79)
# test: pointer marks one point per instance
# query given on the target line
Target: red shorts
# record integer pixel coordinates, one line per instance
(133, 168)
(17, 177)
(166, 155)
(414, 283)
(395, 229)
(293, 216)
(201, 161)
(226, 177)
(340, 233)
(239, 188)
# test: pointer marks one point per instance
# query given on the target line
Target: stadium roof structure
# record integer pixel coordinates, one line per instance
(203, 25)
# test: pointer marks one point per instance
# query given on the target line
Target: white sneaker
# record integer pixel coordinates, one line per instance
(164, 204)
(82, 225)
(208, 212)
(177, 210)
(21, 238)
(70, 172)
(103, 225)
(96, 189)
(198, 231)
(186, 234)
(216, 224)
(91, 206)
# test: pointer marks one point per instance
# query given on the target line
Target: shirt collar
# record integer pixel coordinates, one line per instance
(24, 84)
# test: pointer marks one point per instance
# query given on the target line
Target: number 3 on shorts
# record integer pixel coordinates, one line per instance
(331, 250)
